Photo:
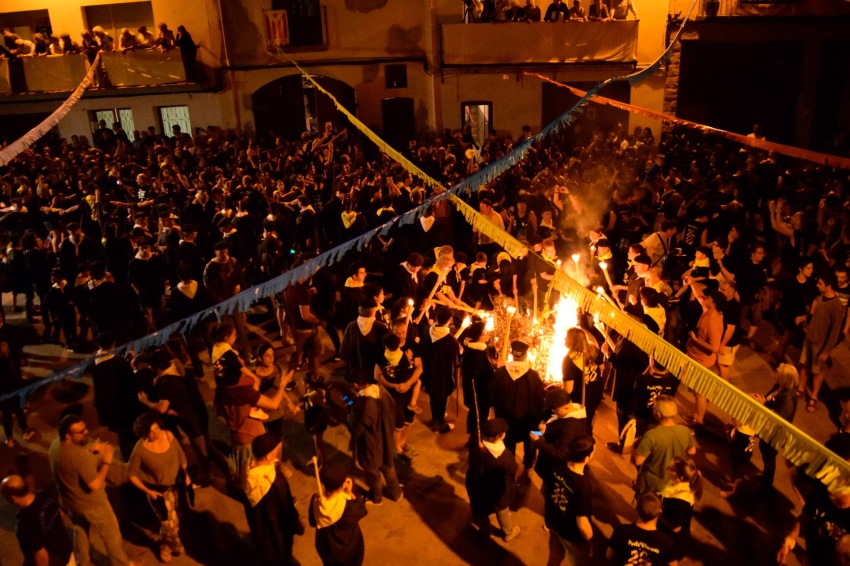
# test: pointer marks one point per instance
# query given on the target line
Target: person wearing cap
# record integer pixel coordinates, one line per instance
(440, 362)
(518, 395)
(566, 423)
(154, 468)
(704, 341)
(372, 425)
(490, 479)
(269, 504)
(336, 513)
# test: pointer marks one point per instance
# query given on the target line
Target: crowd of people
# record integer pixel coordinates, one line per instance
(494, 11)
(93, 41)
(696, 239)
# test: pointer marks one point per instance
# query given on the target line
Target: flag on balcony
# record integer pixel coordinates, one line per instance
(277, 27)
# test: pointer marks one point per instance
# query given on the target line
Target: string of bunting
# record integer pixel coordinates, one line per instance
(795, 445)
(790, 151)
(244, 300)
(15, 148)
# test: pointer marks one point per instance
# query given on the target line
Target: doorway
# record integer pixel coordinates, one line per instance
(478, 115)
(291, 105)
(399, 121)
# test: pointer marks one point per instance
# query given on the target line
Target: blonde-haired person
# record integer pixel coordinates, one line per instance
(681, 492)
(782, 400)
(582, 372)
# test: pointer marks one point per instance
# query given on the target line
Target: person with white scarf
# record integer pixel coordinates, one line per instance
(269, 504)
(518, 397)
(440, 361)
(490, 479)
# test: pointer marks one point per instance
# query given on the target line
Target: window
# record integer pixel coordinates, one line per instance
(175, 115)
(26, 24)
(114, 17)
(478, 115)
(396, 76)
(112, 115)
(306, 20)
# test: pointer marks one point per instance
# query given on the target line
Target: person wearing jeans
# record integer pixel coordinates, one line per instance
(80, 474)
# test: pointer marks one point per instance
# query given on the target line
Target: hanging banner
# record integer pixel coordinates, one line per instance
(277, 28)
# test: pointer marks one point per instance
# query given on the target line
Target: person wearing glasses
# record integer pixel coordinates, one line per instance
(80, 473)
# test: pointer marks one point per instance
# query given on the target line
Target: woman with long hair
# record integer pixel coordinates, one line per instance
(582, 371)
(680, 494)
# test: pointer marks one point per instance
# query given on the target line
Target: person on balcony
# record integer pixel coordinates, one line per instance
(55, 45)
(104, 40)
(165, 38)
(41, 45)
(145, 38)
(577, 13)
(127, 41)
(556, 11)
(598, 12)
(24, 48)
(188, 50)
(68, 45)
(622, 8)
(531, 11)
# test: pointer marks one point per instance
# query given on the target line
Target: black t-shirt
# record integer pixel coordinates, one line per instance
(634, 546)
(569, 496)
(294, 297)
(827, 524)
(396, 374)
(731, 311)
(40, 526)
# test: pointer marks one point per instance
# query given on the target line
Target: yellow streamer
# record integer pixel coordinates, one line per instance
(796, 446)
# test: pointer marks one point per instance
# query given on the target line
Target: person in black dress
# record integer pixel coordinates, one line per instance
(477, 372)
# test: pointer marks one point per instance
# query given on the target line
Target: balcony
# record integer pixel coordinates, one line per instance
(63, 73)
(540, 42)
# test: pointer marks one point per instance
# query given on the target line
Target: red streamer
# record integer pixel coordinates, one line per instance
(796, 152)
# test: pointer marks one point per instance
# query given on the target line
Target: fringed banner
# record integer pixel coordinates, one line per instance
(15, 148)
(790, 151)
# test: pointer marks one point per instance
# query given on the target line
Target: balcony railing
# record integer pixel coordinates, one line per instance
(65, 72)
(539, 42)
(726, 8)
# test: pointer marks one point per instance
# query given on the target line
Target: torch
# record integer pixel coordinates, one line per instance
(511, 310)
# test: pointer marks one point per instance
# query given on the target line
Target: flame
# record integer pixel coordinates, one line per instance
(566, 317)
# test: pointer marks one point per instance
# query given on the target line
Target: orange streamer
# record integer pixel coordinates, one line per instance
(822, 158)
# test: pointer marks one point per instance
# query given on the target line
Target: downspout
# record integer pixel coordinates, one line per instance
(230, 74)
